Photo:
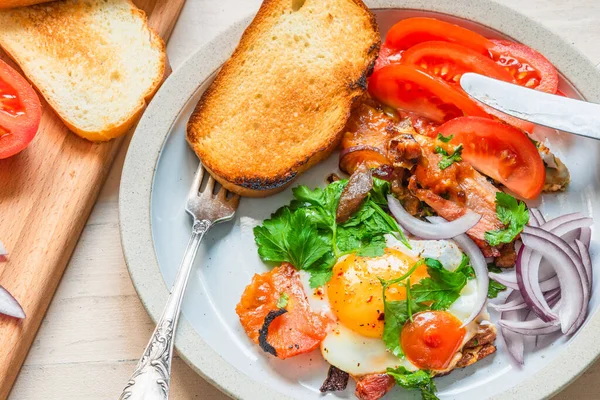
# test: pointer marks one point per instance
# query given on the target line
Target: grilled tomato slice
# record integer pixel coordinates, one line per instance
(295, 329)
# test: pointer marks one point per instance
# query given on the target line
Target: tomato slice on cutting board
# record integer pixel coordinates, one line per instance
(410, 89)
(20, 112)
(499, 151)
(527, 66)
(412, 31)
(449, 61)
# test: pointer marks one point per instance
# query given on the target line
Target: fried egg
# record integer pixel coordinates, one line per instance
(353, 299)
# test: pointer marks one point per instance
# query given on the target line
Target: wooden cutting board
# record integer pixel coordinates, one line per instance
(46, 195)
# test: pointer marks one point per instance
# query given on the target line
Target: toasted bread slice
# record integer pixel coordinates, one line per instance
(96, 62)
(20, 3)
(279, 104)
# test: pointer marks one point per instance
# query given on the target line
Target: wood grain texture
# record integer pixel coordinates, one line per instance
(46, 195)
(96, 327)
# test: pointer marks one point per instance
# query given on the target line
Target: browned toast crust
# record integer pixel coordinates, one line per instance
(252, 173)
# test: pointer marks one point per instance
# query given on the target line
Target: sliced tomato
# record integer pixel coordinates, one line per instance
(410, 89)
(529, 68)
(387, 56)
(449, 61)
(297, 331)
(20, 112)
(499, 151)
(412, 31)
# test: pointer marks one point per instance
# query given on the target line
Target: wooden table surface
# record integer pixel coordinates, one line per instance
(96, 327)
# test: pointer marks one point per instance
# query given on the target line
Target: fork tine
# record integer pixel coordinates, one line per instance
(234, 201)
(222, 194)
(210, 186)
(197, 181)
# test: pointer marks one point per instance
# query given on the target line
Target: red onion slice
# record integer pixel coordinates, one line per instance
(515, 343)
(530, 328)
(9, 305)
(584, 254)
(527, 272)
(558, 252)
(425, 230)
(520, 304)
(479, 267)
(537, 215)
(585, 236)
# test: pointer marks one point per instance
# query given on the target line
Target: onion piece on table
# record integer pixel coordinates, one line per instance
(425, 230)
(479, 266)
(9, 305)
(3, 252)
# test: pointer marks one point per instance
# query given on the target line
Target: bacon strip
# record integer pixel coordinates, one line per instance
(373, 386)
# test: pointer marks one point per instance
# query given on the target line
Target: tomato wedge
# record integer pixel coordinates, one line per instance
(499, 151)
(449, 61)
(20, 112)
(387, 56)
(527, 66)
(413, 90)
(297, 331)
(412, 31)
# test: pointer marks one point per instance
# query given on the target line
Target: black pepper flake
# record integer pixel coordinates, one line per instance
(336, 380)
(381, 317)
(264, 331)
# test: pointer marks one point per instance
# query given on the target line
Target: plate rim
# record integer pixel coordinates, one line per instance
(156, 124)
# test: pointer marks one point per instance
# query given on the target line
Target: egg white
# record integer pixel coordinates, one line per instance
(359, 355)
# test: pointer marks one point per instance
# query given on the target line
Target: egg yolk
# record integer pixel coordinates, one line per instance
(432, 339)
(356, 294)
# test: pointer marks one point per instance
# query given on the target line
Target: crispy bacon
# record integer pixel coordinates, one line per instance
(450, 192)
(373, 386)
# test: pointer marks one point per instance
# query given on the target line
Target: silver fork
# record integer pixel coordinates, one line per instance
(152, 375)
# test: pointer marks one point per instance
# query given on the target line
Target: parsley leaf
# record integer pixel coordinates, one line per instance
(449, 159)
(290, 237)
(442, 288)
(283, 300)
(494, 288)
(419, 379)
(305, 233)
(398, 312)
(443, 138)
(513, 214)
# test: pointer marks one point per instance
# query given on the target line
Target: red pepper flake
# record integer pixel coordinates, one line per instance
(370, 299)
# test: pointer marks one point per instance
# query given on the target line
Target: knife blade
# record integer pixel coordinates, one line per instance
(558, 112)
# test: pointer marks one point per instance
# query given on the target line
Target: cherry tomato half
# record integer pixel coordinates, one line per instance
(432, 339)
(20, 112)
(449, 61)
(527, 66)
(412, 31)
(413, 90)
(499, 151)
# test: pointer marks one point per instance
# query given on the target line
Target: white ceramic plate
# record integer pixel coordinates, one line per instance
(155, 229)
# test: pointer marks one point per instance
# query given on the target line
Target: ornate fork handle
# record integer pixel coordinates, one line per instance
(151, 378)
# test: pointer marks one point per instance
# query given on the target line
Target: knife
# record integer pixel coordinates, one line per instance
(558, 112)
